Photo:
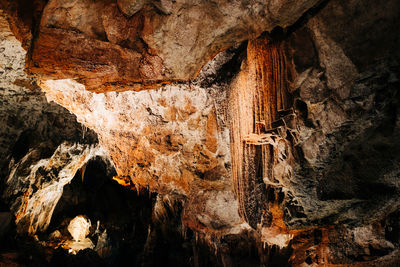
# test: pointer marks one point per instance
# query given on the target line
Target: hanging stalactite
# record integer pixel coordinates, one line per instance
(259, 98)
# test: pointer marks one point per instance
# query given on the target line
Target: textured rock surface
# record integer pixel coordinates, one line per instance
(163, 139)
(350, 124)
(261, 151)
(166, 140)
(287, 144)
(31, 130)
(338, 163)
(26, 118)
(165, 41)
(129, 7)
(318, 167)
(35, 184)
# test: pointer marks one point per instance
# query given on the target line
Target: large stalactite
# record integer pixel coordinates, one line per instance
(261, 108)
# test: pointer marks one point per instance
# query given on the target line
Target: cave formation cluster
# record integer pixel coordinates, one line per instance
(199, 133)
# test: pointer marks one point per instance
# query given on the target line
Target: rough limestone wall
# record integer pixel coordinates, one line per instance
(118, 45)
(260, 112)
(346, 92)
(338, 159)
(31, 130)
(35, 183)
(345, 169)
(173, 140)
(25, 114)
(166, 139)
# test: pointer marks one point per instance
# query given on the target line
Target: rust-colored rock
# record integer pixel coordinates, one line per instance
(23, 17)
(93, 41)
(259, 93)
(153, 144)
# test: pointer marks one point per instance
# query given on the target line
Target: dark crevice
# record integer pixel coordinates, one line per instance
(228, 70)
(307, 16)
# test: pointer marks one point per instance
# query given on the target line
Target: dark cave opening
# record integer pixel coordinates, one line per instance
(122, 213)
(134, 238)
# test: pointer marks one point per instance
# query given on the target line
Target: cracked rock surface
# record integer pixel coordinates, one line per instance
(123, 45)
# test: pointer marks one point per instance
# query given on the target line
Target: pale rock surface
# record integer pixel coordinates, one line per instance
(166, 139)
(35, 183)
(79, 228)
(75, 246)
(26, 118)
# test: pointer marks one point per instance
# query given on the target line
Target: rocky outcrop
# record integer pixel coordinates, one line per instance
(177, 147)
(349, 123)
(175, 142)
(26, 118)
(35, 184)
(31, 130)
(161, 41)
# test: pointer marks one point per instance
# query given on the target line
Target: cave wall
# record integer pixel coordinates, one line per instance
(180, 145)
(35, 136)
(288, 141)
(348, 93)
(35, 183)
(329, 157)
(27, 118)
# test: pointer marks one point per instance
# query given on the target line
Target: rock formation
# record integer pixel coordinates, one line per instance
(152, 42)
(268, 130)
(36, 184)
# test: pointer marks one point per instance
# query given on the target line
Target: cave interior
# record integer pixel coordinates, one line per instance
(199, 133)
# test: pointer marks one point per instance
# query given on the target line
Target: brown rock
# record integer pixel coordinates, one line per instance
(23, 18)
(130, 7)
(212, 133)
(94, 42)
(148, 138)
